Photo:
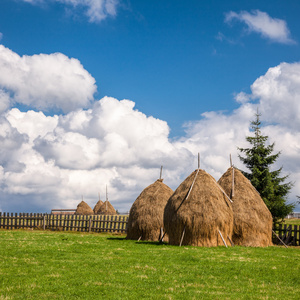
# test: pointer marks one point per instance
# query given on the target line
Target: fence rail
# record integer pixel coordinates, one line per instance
(94, 223)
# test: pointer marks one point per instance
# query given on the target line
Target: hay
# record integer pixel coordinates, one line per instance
(252, 225)
(83, 209)
(97, 206)
(146, 214)
(106, 209)
(206, 211)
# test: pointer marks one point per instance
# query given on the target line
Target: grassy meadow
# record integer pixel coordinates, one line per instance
(70, 265)
(291, 221)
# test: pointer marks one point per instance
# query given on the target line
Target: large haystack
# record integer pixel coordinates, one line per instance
(97, 206)
(202, 215)
(106, 209)
(83, 209)
(252, 225)
(147, 212)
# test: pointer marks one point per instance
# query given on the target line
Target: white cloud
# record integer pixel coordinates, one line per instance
(216, 136)
(110, 134)
(260, 22)
(45, 81)
(33, 124)
(52, 161)
(4, 101)
(79, 153)
(242, 98)
(279, 94)
(95, 10)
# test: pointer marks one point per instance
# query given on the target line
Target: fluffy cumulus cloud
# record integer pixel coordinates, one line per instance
(279, 94)
(95, 10)
(260, 22)
(4, 100)
(44, 82)
(64, 157)
(52, 161)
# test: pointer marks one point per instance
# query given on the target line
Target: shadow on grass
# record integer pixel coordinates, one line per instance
(151, 243)
(116, 238)
(137, 242)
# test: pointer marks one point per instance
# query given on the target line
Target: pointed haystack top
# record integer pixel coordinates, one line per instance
(97, 206)
(146, 214)
(252, 219)
(200, 212)
(106, 209)
(83, 209)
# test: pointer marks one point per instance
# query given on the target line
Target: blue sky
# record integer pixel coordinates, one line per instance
(166, 56)
(191, 65)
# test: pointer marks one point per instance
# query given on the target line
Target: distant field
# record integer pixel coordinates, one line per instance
(69, 265)
(292, 221)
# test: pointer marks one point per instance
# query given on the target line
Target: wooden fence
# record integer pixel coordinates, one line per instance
(94, 223)
(289, 234)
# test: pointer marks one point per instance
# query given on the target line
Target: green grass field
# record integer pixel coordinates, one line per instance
(292, 221)
(68, 265)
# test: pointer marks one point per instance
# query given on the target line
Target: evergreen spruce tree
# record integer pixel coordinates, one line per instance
(258, 159)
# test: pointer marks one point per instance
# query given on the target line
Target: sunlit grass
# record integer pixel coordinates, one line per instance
(292, 221)
(66, 265)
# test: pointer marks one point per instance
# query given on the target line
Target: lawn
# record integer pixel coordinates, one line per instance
(68, 265)
(292, 221)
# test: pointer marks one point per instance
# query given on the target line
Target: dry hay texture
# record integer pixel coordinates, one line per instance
(146, 214)
(97, 206)
(202, 214)
(252, 220)
(83, 209)
(106, 209)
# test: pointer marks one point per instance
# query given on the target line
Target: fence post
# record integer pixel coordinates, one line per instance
(44, 222)
(90, 224)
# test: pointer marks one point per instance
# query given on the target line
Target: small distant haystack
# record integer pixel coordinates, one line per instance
(106, 209)
(196, 216)
(97, 206)
(252, 225)
(146, 214)
(83, 209)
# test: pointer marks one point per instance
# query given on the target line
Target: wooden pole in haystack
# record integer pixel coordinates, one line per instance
(192, 183)
(231, 242)
(232, 187)
(222, 238)
(223, 192)
(182, 236)
(160, 172)
(162, 238)
(280, 239)
(189, 190)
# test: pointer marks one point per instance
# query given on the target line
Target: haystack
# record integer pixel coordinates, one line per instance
(106, 209)
(146, 214)
(202, 213)
(83, 209)
(252, 221)
(97, 206)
